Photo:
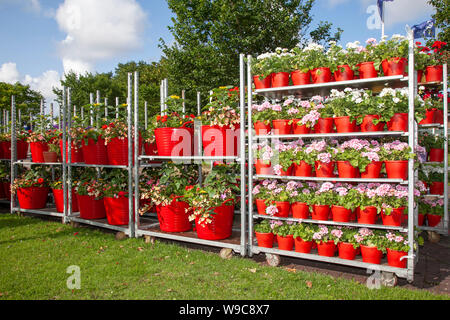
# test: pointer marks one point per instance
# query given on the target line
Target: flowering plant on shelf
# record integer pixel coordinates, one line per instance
(323, 108)
(396, 47)
(345, 195)
(350, 235)
(325, 234)
(359, 152)
(349, 102)
(321, 150)
(263, 227)
(222, 109)
(431, 205)
(299, 154)
(278, 61)
(263, 152)
(299, 192)
(438, 53)
(395, 151)
(349, 56)
(282, 229)
(371, 238)
(262, 112)
(46, 136)
(431, 141)
(300, 60)
(116, 129)
(368, 195)
(396, 241)
(306, 112)
(260, 66)
(324, 195)
(115, 184)
(36, 176)
(317, 57)
(421, 57)
(390, 197)
(282, 156)
(305, 231)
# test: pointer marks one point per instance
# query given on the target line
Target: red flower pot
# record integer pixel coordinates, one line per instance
(429, 117)
(285, 243)
(303, 169)
(173, 217)
(300, 129)
(117, 210)
(287, 172)
(264, 240)
(174, 141)
(280, 79)
(421, 219)
(373, 170)
(434, 73)
(94, 152)
(220, 141)
(320, 212)
(437, 187)
(439, 117)
(343, 124)
(324, 125)
(395, 66)
(346, 251)
(33, 197)
(340, 214)
(368, 126)
(117, 150)
(261, 206)
(321, 75)
(326, 249)
(58, 195)
(36, 149)
(399, 122)
(371, 254)
(261, 128)
(300, 78)
(419, 76)
(324, 170)
(262, 168)
(302, 246)
(76, 154)
(367, 216)
(284, 209)
(343, 73)
(263, 83)
(397, 169)
(346, 170)
(393, 258)
(367, 70)
(150, 149)
(281, 126)
(433, 219)
(300, 210)
(220, 227)
(394, 218)
(22, 149)
(90, 208)
(436, 155)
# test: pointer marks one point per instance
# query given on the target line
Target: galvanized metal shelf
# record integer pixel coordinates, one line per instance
(332, 135)
(335, 179)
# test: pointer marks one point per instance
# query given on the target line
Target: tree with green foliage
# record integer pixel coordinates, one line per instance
(26, 99)
(442, 17)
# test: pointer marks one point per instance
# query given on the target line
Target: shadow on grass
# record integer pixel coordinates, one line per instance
(9, 220)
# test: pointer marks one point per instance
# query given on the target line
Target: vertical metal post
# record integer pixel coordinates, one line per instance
(7, 121)
(166, 93)
(106, 108)
(161, 94)
(250, 155)
(97, 110)
(91, 111)
(183, 97)
(198, 104)
(19, 121)
(31, 122)
(13, 148)
(445, 134)
(68, 191)
(242, 152)
(130, 157)
(135, 174)
(145, 115)
(41, 113)
(74, 110)
(51, 114)
(199, 141)
(64, 142)
(117, 107)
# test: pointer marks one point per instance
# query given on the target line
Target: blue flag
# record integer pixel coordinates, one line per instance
(380, 7)
(425, 29)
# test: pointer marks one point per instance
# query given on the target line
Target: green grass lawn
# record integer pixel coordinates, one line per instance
(35, 254)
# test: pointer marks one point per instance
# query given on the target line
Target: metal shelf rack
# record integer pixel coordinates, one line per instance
(303, 91)
(147, 227)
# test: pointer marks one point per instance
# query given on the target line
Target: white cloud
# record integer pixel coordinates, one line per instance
(334, 3)
(407, 12)
(9, 73)
(98, 30)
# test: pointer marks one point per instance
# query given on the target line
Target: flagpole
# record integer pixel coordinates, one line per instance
(382, 21)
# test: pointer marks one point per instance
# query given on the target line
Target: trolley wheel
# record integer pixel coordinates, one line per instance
(433, 237)
(120, 235)
(389, 279)
(149, 239)
(74, 224)
(273, 259)
(226, 253)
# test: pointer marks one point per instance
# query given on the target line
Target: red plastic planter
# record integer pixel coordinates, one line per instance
(33, 197)
(284, 208)
(371, 254)
(437, 187)
(299, 129)
(281, 126)
(58, 195)
(303, 169)
(263, 83)
(151, 149)
(393, 258)
(220, 141)
(436, 155)
(300, 210)
(173, 217)
(117, 150)
(75, 153)
(343, 73)
(397, 169)
(393, 219)
(326, 249)
(261, 128)
(340, 214)
(321, 75)
(117, 210)
(434, 73)
(394, 66)
(285, 243)
(399, 122)
(439, 117)
(346, 251)
(174, 141)
(22, 149)
(343, 124)
(373, 170)
(280, 79)
(220, 227)
(367, 216)
(261, 206)
(433, 219)
(320, 212)
(36, 149)
(368, 126)
(262, 168)
(287, 172)
(346, 170)
(90, 208)
(429, 116)
(264, 240)
(324, 170)
(421, 219)
(324, 125)
(367, 70)
(300, 78)
(302, 246)
(95, 152)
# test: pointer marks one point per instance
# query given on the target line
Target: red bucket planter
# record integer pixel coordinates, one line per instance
(433, 219)
(326, 249)
(343, 73)
(371, 254)
(173, 217)
(439, 117)
(347, 251)
(300, 78)
(367, 216)
(436, 155)
(117, 210)
(321, 75)
(264, 240)
(220, 141)
(37, 149)
(343, 124)
(284, 209)
(281, 126)
(324, 125)
(300, 210)
(320, 212)
(150, 149)
(280, 79)
(33, 197)
(303, 169)
(22, 149)
(302, 246)
(264, 83)
(368, 126)
(75, 153)
(174, 141)
(399, 122)
(220, 227)
(285, 243)
(397, 169)
(395, 218)
(346, 170)
(261, 206)
(367, 70)
(434, 73)
(341, 214)
(262, 168)
(90, 208)
(393, 258)
(373, 170)
(261, 128)
(95, 152)
(287, 172)
(395, 66)
(299, 128)
(429, 116)
(421, 219)
(437, 187)
(58, 195)
(324, 170)
(117, 150)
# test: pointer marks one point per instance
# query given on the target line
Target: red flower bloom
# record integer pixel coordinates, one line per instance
(40, 181)
(122, 193)
(112, 125)
(189, 188)
(104, 127)
(158, 118)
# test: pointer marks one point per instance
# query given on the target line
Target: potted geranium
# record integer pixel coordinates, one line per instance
(263, 154)
(277, 202)
(438, 56)
(322, 151)
(279, 66)
(260, 193)
(326, 239)
(301, 67)
(116, 197)
(372, 245)
(264, 234)
(319, 62)
(76, 153)
(369, 64)
(395, 156)
(282, 158)
(116, 141)
(325, 123)
(32, 188)
(303, 236)
(261, 117)
(304, 115)
(421, 60)
(348, 246)
(433, 208)
(346, 60)
(395, 108)
(93, 145)
(392, 54)
(21, 146)
(434, 145)
(56, 185)
(89, 190)
(393, 201)
(285, 234)
(321, 201)
(302, 160)
(300, 196)
(281, 119)
(39, 141)
(347, 199)
(262, 77)
(369, 207)
(435, 180)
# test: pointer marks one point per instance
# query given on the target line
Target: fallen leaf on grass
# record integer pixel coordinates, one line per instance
(140, 249)
(252, 270)
(169, 290)
(309, 284)
(291, 270)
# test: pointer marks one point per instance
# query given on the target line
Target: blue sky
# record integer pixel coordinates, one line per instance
(43, 38)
